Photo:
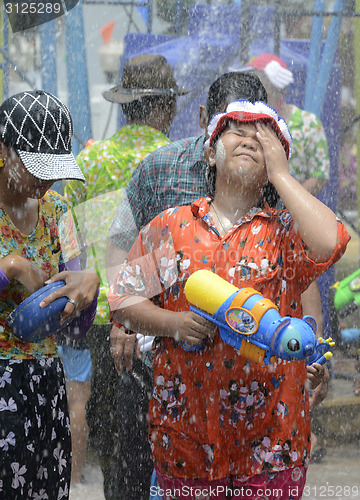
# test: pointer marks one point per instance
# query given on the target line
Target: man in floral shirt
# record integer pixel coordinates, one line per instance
(107, 166)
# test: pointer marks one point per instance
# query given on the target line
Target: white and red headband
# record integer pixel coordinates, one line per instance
(246, 111)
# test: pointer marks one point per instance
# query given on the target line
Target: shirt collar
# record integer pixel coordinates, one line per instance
(201, 207)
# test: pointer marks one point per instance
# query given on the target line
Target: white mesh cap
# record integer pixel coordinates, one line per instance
(39, 127)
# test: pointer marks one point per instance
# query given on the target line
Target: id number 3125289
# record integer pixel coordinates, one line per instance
(329, 491)
(28, 7)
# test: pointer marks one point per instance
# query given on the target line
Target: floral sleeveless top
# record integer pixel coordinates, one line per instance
(52, 243)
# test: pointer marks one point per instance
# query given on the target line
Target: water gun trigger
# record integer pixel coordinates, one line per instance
(322, 352)
(202, 313)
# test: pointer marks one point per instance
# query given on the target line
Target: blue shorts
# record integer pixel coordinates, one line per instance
(77, 363)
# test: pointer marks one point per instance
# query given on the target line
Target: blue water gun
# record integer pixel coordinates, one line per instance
(248, 321)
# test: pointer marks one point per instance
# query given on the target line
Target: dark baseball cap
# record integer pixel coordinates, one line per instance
(39, 128)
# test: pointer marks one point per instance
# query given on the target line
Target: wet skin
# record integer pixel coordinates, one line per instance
(239, 155)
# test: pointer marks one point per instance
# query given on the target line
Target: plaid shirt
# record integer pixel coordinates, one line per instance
(171, 176)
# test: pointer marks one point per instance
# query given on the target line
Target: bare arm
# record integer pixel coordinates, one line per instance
(317, 375)
(123, 346)
(315, 222)
(142, 316)
(17, 268)
(311, 304)
(318, 378)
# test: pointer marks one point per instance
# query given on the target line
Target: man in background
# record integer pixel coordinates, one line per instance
(309, 160)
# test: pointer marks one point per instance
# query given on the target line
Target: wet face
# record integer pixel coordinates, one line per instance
(238, 155)
(19, 181)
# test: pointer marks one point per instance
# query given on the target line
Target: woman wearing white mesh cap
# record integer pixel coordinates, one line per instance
(37, 247)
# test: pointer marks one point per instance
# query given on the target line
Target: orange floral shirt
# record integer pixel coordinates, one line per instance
(212, 412)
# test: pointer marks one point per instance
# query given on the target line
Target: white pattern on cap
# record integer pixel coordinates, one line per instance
(39, 127)
(48, 167)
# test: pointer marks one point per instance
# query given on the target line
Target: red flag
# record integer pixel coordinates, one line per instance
(106, 31)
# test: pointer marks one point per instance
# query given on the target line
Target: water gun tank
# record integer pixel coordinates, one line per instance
(248, 321)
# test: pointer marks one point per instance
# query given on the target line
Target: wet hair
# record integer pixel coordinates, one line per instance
(141, 108)
(232, 86)
(270, 196)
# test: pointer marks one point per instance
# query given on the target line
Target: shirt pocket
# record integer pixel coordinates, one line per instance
(260, 270)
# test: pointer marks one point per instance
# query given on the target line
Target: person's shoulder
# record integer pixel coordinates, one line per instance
(52, 199)
(172, 214)
(304, 116)
(90, 154)
(186, 143)
(89, 150)
(280, 216)
(52, 196)
(179, 146)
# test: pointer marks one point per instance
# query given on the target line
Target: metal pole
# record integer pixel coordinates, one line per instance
(6, 67)
(357, 89)
(277, 27)
(314, 53)
(48, 57)
(327, 60)
(150, 15)
(245, 33)
(78, 88)
(2, 59)
(178, 16)
(4, 40)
